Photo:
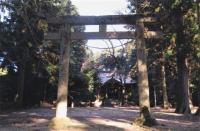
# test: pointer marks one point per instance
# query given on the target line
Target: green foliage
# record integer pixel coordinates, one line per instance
(169, 53)
(198, 54)
(93, 80)
(176, 3)
(179, 24)
(23, 43)
(52, 70)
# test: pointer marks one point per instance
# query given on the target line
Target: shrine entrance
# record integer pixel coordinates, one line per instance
(65, 36)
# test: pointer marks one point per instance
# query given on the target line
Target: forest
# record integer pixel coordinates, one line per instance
(144, 80)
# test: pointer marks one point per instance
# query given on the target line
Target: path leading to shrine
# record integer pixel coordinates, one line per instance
(97, 119)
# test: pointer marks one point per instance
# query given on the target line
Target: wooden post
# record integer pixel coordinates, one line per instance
(145, 117)
(143, 83)
(102, 28)
(61, 109)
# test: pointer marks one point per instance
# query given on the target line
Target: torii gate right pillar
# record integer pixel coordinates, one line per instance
(145, 117)
(143, 83)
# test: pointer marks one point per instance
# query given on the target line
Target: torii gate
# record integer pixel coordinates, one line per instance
(65, 36)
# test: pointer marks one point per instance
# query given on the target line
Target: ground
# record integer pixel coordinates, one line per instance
(97, 119)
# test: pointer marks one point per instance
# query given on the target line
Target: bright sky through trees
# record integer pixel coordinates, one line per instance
(101, 7)
(96, 8)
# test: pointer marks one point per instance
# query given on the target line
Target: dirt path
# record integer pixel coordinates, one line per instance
(100, 119)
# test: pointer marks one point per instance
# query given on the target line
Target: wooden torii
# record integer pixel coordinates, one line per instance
(65, 36)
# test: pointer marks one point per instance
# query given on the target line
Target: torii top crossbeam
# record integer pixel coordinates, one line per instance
(99, 20)
(102, 20)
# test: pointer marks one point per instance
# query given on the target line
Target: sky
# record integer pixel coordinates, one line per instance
(101, 7)
(2, 14)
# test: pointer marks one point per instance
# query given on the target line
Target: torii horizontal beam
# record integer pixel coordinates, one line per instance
(104, 35)
(99, 20)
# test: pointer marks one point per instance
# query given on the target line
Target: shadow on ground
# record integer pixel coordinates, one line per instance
(96, 119)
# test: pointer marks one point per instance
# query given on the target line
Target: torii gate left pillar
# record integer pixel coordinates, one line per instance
(62, 94)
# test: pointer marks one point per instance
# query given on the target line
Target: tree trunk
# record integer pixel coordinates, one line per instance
(20, 91)
(123, 94)
(183, 86)
(164, 87)
(155, 96)
(182, 66)
(190, 94)
(143, 84)
(198, 84)
(61, 109)
(198, 110)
